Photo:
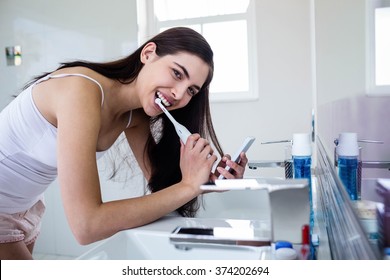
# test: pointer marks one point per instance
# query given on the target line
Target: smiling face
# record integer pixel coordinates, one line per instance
(172, 78)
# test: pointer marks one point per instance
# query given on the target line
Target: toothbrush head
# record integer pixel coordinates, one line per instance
(180, 129)
(159, 103)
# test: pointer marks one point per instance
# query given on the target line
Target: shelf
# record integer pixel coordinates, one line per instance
(336, 215)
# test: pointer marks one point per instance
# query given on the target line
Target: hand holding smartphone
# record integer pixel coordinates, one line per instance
(236, 157)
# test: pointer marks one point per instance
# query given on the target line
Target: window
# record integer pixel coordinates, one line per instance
(378, 47)
(228, 26)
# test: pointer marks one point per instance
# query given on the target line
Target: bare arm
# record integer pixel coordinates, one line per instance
(78, 119)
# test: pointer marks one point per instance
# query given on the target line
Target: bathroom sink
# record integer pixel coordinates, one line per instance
(152, 242)
(286, 204)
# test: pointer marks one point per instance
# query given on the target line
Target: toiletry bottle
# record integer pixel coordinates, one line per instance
(301, 154)
(284, 251)
(305, 251)
(347, 152)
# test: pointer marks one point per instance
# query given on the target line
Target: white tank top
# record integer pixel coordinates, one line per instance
(28, 159)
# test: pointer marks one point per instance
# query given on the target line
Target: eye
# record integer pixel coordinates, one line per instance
(192, 91)
(177, 74)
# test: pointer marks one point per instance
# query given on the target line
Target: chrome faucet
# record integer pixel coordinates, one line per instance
(366, 164)
(375, 164)
(286, 164)
(288, 172)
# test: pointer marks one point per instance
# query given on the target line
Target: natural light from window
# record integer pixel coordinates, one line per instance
(226, 26)
(179, 9)
(235, 68)
(382, 46)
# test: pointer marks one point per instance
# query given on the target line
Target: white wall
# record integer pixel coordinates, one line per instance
(53, 31)
(341, 49)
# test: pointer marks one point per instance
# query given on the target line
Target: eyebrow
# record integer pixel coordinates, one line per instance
(186, 73)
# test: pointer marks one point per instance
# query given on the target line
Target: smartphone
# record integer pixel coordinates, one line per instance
(243, 148)
(183, 237)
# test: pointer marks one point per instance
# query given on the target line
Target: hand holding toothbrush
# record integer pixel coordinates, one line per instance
(196, 161)
(196, 154)
(237, 167)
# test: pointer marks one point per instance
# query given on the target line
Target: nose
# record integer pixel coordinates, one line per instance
(179, 90)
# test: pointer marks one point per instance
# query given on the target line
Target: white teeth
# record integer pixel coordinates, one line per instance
(163, 100)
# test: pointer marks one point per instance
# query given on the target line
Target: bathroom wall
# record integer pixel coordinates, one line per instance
(50, 32)
(66, 30)
(343, 105)
(53, 31)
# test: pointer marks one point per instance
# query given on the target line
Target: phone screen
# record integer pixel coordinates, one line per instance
(196, 231)
(218, 235)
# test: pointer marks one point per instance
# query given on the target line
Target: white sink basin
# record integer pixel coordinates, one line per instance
(152, 242)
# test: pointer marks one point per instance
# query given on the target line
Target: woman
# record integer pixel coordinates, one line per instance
(64, 120)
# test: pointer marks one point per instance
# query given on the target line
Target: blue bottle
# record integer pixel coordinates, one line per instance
(347, 152)
(301, 154)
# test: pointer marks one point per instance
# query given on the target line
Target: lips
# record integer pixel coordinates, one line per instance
(163, 99)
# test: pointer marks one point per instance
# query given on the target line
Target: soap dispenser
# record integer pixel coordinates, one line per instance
(347, 153)
(301, 154)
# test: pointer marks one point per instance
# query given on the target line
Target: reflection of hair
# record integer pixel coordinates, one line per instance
(163, 152)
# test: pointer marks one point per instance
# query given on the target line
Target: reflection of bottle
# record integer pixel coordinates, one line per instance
(347, 152)
(301, 154)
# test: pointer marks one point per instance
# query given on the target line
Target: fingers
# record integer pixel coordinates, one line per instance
(192, 140)
(244, 159)
(199, 145)
(236, 169)
(197, 159)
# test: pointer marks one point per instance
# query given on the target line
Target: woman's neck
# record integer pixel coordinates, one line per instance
(122, 98)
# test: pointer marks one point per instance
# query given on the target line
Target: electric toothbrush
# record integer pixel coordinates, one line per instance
(181, 130)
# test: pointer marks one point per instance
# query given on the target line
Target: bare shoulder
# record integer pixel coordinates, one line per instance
(79, 79)
(69, 92)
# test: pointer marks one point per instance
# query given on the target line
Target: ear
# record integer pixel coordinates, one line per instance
(148, 52)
